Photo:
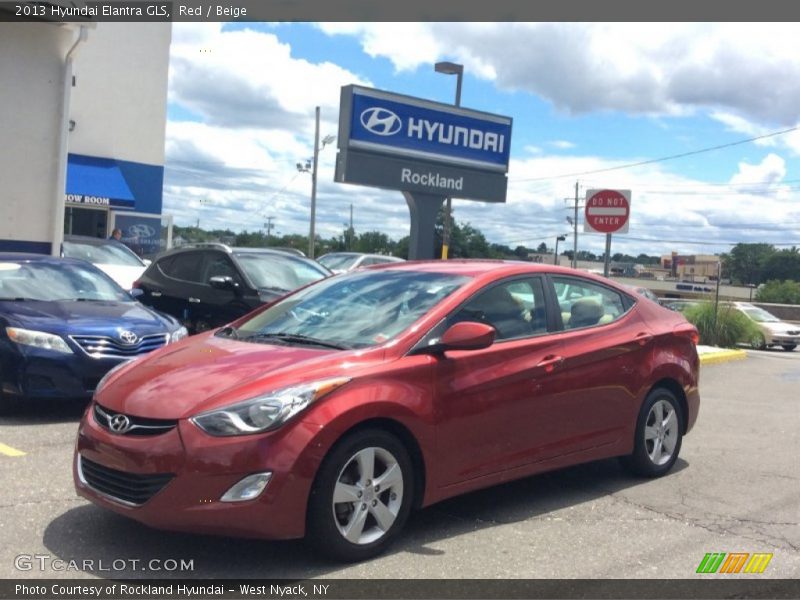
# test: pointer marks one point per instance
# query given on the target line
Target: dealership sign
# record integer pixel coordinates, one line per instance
(399, 142)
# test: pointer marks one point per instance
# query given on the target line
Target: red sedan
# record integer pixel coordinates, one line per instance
(336, 410)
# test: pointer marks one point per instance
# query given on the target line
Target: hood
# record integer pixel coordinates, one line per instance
(780, 327)
(124, 275)
(205, 372)
(85, 318)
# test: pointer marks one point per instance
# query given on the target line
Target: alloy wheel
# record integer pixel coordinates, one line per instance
(661, 432)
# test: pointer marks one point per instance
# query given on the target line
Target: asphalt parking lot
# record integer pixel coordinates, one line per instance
(734, 489)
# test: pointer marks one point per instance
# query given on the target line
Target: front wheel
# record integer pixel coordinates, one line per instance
(758, 342)
(361, 497)
(658, 435)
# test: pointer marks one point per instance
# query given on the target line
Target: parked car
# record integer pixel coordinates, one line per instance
(335, 410)
(208, 285)
(772, 331)
(340, 262)
(114, 258)
(64, 324)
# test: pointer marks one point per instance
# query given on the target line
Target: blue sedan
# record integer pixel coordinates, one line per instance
(64, 324)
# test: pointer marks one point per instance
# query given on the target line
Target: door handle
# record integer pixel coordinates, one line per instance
(550, 362)
(155, 294)
(644, 338)
(194, 300)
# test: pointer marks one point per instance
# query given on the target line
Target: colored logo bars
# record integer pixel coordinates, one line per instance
(734, 562)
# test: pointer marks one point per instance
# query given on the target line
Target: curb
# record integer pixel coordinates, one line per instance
(722, 356)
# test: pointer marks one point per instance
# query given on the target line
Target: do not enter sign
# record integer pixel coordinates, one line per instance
(607, 211)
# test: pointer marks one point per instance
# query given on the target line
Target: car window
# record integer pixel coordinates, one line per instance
(340, 262)
(357, 310)
(111, 253)
(278, 271)
(514, 308)
(219, 265)
(186, 267)
(585, 304)
(57, 282)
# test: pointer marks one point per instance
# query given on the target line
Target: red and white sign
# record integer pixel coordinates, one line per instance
(607, 211)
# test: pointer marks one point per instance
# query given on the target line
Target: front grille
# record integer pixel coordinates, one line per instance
(128, 488)
(794, 332)
(123, 424)
(98, 346)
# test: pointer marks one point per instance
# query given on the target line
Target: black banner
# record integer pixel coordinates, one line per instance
(396, 589)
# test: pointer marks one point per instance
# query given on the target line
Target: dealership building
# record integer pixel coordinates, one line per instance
(83, 116)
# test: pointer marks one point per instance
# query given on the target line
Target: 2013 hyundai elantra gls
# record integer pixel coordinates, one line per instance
(334, 411)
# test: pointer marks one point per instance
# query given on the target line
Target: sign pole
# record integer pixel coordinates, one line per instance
(608, 255)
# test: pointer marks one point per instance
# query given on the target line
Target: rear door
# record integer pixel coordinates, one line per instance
(605, 345)
(181, 284)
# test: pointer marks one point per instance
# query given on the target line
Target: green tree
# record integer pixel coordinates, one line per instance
(779, 292)
(782, 265)
(373, 242)
(745, 263)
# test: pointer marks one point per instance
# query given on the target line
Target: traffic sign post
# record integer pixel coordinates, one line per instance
(607, 211)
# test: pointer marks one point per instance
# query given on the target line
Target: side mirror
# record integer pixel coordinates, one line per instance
(136, 293)
(223, 282)
(467, 335)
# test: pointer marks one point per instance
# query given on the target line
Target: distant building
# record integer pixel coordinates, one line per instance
(698, 267)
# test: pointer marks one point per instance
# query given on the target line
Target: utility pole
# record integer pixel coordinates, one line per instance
(268, 225)
(311, 233)
(575, 232)
(350, 231)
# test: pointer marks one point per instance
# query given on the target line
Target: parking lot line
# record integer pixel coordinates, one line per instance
(9, 451)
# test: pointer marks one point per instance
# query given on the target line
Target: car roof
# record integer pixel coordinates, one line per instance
(475, 267)
(94, 241)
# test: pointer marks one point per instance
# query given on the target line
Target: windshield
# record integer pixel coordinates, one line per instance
(281, 272)
(760, 315)
(111, 253)
(355, 311)
(57, 282)
(339, 262)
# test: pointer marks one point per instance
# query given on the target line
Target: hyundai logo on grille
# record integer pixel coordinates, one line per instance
(119, 424)
(380, 121)
(128, 337)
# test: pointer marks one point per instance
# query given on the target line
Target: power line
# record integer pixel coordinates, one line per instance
(664, 158)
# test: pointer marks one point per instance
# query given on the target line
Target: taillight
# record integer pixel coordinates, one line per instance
(137, 284)
(687, 330)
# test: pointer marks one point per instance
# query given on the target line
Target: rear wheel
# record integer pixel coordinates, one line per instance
(361, 497)
(789, 347)
(658, 435)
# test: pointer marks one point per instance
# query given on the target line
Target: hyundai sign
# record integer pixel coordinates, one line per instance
(399, 142)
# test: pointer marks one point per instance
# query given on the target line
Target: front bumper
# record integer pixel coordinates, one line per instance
(202, 469)
(34, 373)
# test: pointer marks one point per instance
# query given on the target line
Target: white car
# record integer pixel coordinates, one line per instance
(110, 256)
(339, 262)
(773, 331)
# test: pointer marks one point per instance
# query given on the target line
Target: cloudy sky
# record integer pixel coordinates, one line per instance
(586, 99)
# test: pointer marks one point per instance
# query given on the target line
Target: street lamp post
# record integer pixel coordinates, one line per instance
(559, 238)
(450, 68)
(304, 169)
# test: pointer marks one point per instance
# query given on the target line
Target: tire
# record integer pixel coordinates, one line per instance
(655, 449)
(373, 523)
(758, 342)
(789, 347)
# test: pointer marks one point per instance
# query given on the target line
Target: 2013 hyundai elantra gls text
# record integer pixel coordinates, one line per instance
(334, 411)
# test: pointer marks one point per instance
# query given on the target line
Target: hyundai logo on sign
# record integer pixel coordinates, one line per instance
(391, 123)
(380, 121)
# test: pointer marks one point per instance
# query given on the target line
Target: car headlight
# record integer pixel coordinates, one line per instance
(38, 339)
(178, 335)
(265, 412)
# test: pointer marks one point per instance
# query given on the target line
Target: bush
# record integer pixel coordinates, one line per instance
(779, 292)
(726, 330)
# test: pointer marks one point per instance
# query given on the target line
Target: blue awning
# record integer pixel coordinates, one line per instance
(90, 176)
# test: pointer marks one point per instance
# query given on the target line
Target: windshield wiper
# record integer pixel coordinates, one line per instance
(295, 338)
